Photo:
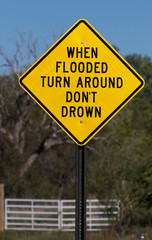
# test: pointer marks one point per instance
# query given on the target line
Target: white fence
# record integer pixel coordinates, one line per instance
(53, 215)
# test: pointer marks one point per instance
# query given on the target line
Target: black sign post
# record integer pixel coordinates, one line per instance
(80, 220)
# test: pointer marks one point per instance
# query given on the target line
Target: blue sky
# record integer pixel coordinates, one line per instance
(126, 24)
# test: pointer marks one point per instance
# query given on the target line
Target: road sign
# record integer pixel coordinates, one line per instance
(81, 82)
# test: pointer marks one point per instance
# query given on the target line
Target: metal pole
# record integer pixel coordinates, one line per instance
(80, 227)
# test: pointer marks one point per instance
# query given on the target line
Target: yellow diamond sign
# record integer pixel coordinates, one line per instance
(81, 82)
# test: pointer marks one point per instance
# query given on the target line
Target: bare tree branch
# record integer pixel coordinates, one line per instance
(25, 54)
(48, 143)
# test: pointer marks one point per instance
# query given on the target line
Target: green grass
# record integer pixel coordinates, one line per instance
(21, 235)
(133, 234)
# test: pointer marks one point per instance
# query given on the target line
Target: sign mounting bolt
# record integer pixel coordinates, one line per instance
(82, 42)
(81, 121)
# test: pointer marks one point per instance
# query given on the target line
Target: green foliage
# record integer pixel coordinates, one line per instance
(28, 137)
(124, 159)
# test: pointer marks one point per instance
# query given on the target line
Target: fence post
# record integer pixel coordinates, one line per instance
(60, 215)
(90, 215)
(2, 217)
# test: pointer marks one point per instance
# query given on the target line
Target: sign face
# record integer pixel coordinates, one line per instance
(81, 82)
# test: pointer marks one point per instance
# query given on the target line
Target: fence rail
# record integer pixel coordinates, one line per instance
(53, 215)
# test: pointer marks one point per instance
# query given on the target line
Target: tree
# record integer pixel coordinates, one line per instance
(123, 169)
(26, 131)
(28, 134)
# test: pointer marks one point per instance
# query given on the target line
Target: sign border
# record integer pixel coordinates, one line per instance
(113, 113)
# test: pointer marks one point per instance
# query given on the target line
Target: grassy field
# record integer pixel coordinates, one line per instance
(134, 234)
(13, 235)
